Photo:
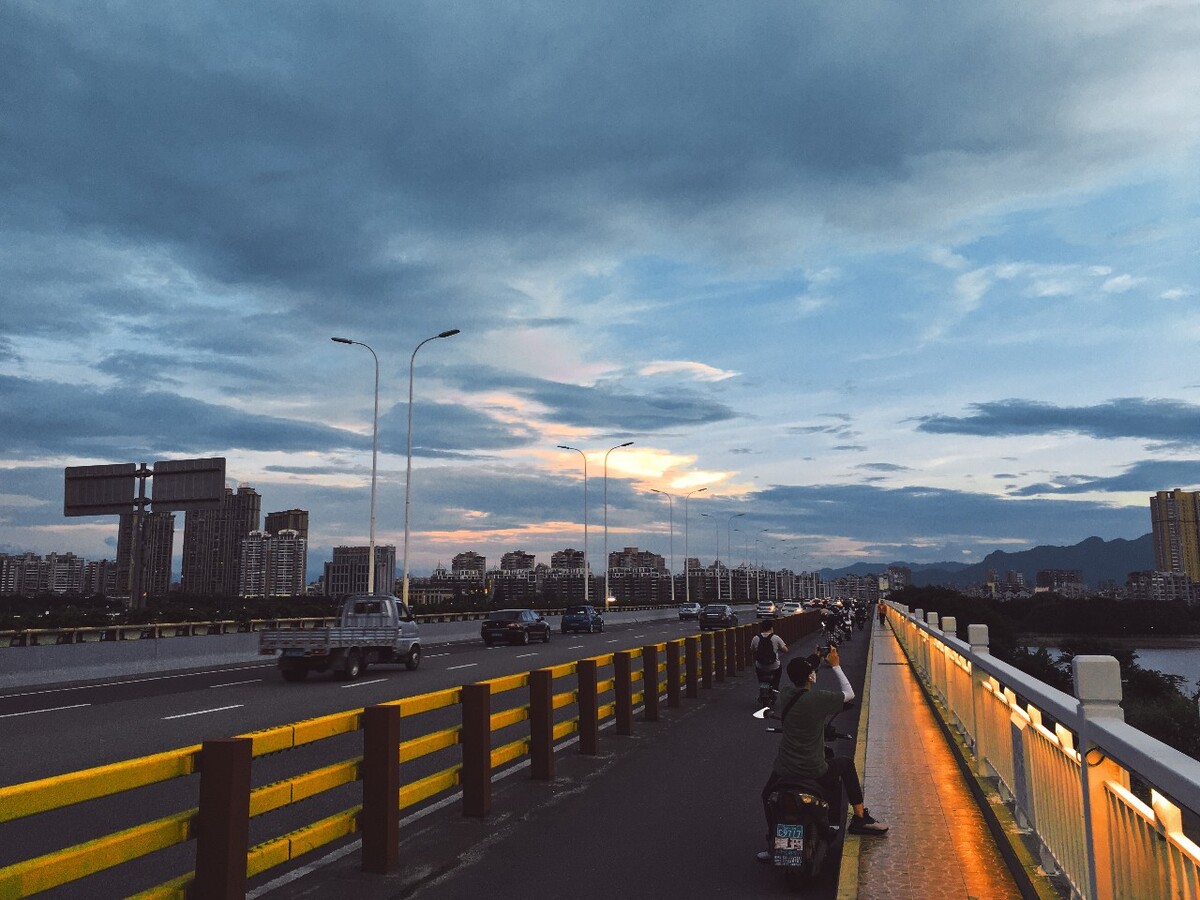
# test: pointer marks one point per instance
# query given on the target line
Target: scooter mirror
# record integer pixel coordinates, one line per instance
(762, 713)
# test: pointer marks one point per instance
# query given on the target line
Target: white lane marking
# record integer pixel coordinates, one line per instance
(35, 711)
(100, 684)
(524, 655)
(235, 683)
(363, 683)
(614, 640)
(467, 666)
(201, 712)
(435, 655)
(576, 647)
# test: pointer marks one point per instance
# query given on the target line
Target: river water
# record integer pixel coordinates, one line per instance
(1184, 661)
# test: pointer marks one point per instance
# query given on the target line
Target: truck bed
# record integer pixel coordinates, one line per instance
(328, 638)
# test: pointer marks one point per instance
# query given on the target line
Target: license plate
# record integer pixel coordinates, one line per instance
(293, 651)
(789, 845)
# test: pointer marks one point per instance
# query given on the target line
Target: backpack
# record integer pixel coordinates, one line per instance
(765, 654)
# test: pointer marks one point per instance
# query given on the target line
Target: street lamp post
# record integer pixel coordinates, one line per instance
(687, 560)
(671, 507)
(374, 460)
(717, 557)
(758, 565)
(610, 450)
(729, 550)
(412, 360)
(586, 571)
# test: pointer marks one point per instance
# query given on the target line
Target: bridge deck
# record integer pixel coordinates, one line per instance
(939, 844)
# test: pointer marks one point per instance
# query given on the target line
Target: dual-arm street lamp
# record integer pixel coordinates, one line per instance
(671, 507)
(408, 468)
(687, 560)
(586, 570)
(374, 458)
(607, 594)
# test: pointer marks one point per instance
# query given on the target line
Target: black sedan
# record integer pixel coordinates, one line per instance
(516, 626)
(717, 615)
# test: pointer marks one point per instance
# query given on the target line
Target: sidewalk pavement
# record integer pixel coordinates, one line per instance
(938, 845)
(673, 809)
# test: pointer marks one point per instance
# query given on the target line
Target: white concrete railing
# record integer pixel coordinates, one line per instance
(1065, 763)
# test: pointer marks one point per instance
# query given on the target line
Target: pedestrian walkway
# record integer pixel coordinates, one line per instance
(939, 844)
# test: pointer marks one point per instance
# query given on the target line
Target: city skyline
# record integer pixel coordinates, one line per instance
(907, 292)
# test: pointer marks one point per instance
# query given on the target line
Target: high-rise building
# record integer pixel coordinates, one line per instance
(516, 561)
(273, 565)
(1175, 521)
(348, 572)
(158, 544)
(468, 565)
(291, 519)
(569, 560)
(212, 542)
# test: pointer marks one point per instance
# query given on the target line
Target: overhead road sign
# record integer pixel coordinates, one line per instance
(188, 483)
(100, 490)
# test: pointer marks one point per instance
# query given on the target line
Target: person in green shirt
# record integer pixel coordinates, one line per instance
(803, 709)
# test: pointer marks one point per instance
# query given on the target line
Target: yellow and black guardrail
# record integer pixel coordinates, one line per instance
(597, 689)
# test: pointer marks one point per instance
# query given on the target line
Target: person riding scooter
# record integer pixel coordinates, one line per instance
(802, 710)
(767, 649)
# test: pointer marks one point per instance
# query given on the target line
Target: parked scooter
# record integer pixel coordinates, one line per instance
(804, 833)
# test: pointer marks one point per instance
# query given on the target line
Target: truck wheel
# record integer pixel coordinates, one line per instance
(414, 659)
(293, 673)
(350, 668)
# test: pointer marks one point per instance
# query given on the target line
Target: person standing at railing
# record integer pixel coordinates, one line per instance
(882, 607)
(803, 711)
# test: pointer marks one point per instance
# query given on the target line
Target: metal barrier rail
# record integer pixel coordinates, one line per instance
(37, 637)
(219, 823)
(1065, 763)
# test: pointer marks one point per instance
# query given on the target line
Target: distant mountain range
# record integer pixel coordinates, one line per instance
(1097, 559)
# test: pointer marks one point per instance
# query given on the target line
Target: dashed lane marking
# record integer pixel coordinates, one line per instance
(364, 683)
(32, 712)
(203, 712)
(235, 683)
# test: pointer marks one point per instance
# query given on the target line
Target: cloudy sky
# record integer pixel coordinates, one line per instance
(898, 281)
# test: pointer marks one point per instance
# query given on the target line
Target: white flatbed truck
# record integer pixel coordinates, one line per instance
(371, 629)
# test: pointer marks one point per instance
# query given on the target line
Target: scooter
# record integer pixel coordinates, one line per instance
(803, 833)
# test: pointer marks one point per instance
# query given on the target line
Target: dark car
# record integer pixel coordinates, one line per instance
(582, 618)
(689, 611)
(717, 615)
(517, 626)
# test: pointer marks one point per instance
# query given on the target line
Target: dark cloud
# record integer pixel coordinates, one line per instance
(1170, 422)
(1147, 476)
(905, 515)
(444, 429)
(602, 406)
(883, 467)
(79, 420)
(853, 448)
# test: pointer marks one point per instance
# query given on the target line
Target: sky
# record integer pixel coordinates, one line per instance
(892, 281)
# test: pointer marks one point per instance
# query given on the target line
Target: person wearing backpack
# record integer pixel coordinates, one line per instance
(766, 648)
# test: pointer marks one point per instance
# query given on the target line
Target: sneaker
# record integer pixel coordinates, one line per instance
(865, 824)
(764, 856)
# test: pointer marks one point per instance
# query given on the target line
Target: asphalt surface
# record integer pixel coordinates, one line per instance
(672, 810)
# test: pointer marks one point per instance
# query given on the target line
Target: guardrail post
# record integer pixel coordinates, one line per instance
(706, 660)
(1097, 681)
(589, 707)
(477, 749)
(380, 820)
(732, 645)
(541, 724)
(977, 637)
(223, 822)
(672, 674)
(691, 662)
(650, 683)
(719, 655)
(623, 689)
